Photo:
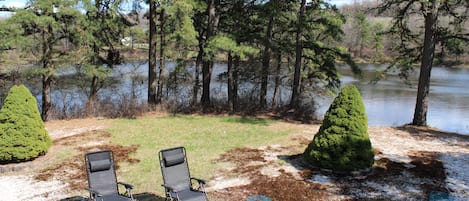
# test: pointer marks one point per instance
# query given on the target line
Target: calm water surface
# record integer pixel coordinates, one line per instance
(391, 102)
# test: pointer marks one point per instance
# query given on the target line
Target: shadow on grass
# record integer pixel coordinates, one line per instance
(418, 131)
(297, 161)
(246, 120)
(430, 133)
(148, 197)
(139, 197)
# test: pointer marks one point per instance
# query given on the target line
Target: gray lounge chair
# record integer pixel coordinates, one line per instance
(102, 182)
(176, 177)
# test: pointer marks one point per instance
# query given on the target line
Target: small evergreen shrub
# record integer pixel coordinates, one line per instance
(23, 135)
(342, 143)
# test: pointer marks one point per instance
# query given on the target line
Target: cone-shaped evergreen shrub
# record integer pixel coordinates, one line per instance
(342, 143)
(23, 135)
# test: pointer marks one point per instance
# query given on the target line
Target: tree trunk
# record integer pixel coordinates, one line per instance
(277, 79)
(198, 61)
(47, 76)
(235, 83)
(94, 83)
(230, 81)
(159, 93)
(132, 36)
(266, 62)
(152, 55)
(207, 60)
(206, 77)
(421, 106)
(294, 103)
(93, 95)
(46, 100)
(362, 45)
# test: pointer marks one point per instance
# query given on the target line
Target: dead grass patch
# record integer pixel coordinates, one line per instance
(428, 166)
(384, 168)
(74, 140)
(72, 169)
(285, 186)
(242, 156)
(425, 172)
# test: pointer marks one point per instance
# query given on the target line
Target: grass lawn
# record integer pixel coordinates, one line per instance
(205, 138)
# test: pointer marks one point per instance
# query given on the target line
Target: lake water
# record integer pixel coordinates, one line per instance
(389, 102)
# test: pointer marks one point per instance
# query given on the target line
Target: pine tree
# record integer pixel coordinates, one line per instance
(317, 50)
(100, 42)
(40, 28)
(22, 132)
(441, 22)
(342, 143)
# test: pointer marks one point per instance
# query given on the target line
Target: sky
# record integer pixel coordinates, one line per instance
(12, 3)
(340, 2)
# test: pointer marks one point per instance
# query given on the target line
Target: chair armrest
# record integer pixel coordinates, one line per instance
(93, 192)
(200, 181)
(127, 186)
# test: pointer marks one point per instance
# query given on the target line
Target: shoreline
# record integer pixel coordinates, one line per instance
(140, 54)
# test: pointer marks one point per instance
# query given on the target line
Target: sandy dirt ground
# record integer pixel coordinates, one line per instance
(411, 164)
(20, 181)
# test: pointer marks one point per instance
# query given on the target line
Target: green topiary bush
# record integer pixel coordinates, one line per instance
(23, 135)
(342, 143)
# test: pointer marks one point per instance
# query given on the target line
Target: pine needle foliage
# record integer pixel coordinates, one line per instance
(23, 136)
(342, 143)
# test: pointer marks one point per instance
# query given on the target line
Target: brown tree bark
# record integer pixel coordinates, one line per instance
(230, 80)
(421, 105)
(161, 73)
(198, 62)
(266, 62)
(46, 100)
(294, 103)
(235, 70)
(93, 95)
(94, 84)
(152, 55)
(207, 63)
(47, 76)
(277, 79)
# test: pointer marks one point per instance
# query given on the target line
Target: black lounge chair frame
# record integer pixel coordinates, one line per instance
(102, 181)
(176, 177)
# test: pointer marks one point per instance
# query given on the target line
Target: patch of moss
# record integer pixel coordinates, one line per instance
(23, 135)
(342, 142)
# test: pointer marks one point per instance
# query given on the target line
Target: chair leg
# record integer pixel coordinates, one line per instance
(168, 197)
(130, 195)
(202, 188)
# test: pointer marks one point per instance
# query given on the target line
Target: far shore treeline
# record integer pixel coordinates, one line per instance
(267, 45)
